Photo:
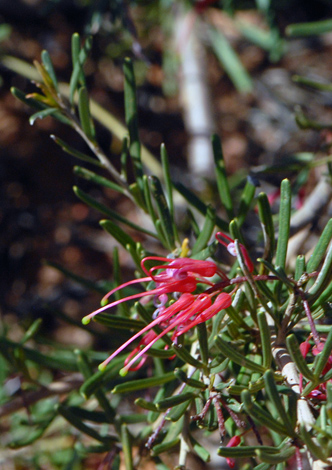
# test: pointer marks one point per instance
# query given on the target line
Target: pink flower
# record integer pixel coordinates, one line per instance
(180, 275)
(177, 276)
(231, 248)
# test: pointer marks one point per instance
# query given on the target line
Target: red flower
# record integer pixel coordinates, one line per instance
(178, 276)
(319, 393)
(233, 442)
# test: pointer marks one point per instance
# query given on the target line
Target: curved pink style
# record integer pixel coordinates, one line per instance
(228, 242)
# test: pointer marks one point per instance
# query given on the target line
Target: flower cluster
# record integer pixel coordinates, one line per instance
(179, 278)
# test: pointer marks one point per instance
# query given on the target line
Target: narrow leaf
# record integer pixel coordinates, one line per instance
(131, 116)
(117, 233)
(229, 351)
(90, 285)
(75, 153)
(265, 335)
(273, 394)
(91, 176)
(206, 232)
(247, 197)
(141, 384)
(230, 61)
(47, 62)
(222, 180)
(163, 211)
(315, 449)
(79, 59)
(170, 402)
(296, 355)
(260, 415)
(42, 114)
(281, 456)
(324, 276)
(77, 422)
(84, 113)
(309, 29)
(127, 447)
(323, 356)
(320, 249)
(265, 216)
(199, 204)
(90, 201)
(284, 222)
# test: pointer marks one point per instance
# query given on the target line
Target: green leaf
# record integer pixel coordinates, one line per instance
(32, 330)
(94, 178)
(247, 197)
(175, 400)
(79, 59)
(281, 456)
(229, 351)
(20, 95)
(320, 248)
(273, 394)
(203, 342)
(245, 451)
(324, 276)
(90, 285)
(168, 185)
(163, 212)
(116, 232)
(259, 414)
(146, 405)
(75, 153)
(47, 62)
(76, 421)
(309, 29)
(268, 40)
(296, 355)
(316, 450)
(75, 52)
(141, 384)
(100, 378)
(85, 368)
(59, 361)
(221, 176)
(265, 335)
(284, 223)
(200, 450)
(42, 114)
(164, 447)
(117, 322)
(199, 204)
(32, 434)
(312, 83)
(131, 116)
(230, 61)
(178, 411)
(84, 113)
(206, 232)
(90, 201)
(323, 356)
(265, 216)
(300, 267)
(127, 447)
(181, 375)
